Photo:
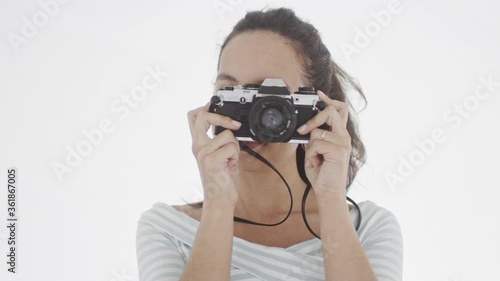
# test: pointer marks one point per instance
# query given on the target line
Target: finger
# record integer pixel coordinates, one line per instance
(321, 150)
(219, 141)
(312, 156)
(225, 157)
(193, 114)
(331, 137)
(330, 116)
(341, 107)
(202, 124)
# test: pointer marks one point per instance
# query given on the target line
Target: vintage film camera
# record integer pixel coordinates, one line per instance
(268, 112)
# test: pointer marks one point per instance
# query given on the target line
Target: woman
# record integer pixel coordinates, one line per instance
(204, 242)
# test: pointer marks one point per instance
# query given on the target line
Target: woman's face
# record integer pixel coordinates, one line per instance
(251, 57)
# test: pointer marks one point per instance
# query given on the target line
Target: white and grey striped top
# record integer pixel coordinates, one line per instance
(165, 236)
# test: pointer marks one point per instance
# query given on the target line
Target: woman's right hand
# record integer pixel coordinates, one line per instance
(217, 158)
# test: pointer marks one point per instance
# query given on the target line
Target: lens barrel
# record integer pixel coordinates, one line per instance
(272, 119)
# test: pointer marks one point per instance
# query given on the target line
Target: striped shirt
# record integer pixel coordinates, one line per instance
(165, 237)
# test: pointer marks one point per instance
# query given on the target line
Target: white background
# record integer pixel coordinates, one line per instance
(64, 79)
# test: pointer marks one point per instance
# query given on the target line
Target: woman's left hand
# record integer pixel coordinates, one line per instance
(327, 153)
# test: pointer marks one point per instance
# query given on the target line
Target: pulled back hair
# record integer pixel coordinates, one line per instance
(318, 68)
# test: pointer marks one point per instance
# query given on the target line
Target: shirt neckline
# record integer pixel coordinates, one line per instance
(296, 247)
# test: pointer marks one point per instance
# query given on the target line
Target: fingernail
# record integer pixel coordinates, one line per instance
(236, 123)
(302, 128)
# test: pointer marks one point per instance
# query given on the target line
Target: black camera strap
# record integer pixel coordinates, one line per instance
(262, 159)
(300, 155)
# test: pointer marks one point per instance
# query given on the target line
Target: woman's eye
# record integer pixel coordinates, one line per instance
(223, 85)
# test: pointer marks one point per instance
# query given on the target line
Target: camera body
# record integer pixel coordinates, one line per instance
(268, 112)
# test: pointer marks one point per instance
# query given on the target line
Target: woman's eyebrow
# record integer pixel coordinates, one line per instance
(228, 77)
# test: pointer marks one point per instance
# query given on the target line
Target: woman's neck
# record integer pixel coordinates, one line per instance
(263, 196)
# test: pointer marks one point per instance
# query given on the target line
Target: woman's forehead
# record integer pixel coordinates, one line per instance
(251, 57)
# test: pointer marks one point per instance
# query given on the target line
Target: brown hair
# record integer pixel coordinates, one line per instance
(318, 67)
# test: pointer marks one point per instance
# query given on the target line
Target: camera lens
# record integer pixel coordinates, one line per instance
(272, 119)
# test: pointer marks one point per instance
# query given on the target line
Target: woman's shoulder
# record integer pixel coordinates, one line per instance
(189, 210)
(169, 222)
(170, 217)
(370, 211)
(371, 206)
(373, 210)
(377, 220)
(374, 213)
